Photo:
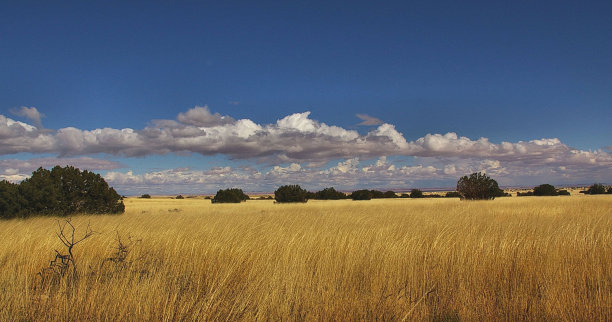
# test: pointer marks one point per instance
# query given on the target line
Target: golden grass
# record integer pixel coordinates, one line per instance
(529, 258)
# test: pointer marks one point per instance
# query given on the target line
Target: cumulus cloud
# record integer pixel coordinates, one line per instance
(368, 120)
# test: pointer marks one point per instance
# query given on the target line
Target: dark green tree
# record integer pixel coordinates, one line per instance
(389, 194)
(361, 195)
(291, 193)
(11, 202)
(478, 186)
(545, 190)
(233, 195)
(145, 196)
(377, 194)
(64, 191)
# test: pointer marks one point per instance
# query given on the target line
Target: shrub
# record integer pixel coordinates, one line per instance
(596, 189)
(179, 197)
(545, 190)
(524, 194)
(564, 193)
(478, 186)
(329, 194)
(453, 194)
(291, 193)
(405, 195)
(416, 193)
(230, 196)
(361, 195)
(389, 194)
(146, 196)
(609, 190)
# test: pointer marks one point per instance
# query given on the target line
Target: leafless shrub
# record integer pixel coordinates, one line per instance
(64, 262)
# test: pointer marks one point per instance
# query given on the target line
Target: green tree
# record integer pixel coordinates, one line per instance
(291, 193)
(389, 194)
(478, 186)
(64, 191)
(545, 190)
(10, 200)
(233, 195)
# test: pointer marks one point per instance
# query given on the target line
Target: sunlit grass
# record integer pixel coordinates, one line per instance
(545, 258)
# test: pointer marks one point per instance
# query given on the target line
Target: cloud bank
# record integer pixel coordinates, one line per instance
(297, 145)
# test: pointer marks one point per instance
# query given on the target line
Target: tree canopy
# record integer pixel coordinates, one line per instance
(478, 186)
(59, 192)
(233, 195)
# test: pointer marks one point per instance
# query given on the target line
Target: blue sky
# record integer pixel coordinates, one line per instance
(194, 96)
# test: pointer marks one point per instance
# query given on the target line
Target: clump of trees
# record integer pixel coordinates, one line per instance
(146, 196)
(598, 189)
(478, 186)
(291, 193)
(233, 195)
(59, 192)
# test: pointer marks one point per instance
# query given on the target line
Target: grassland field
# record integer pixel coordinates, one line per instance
(528, 258)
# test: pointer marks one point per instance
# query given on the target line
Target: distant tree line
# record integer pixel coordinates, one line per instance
(59, 192)
(598, 189)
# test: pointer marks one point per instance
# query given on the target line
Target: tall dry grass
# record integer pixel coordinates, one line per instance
(507, 259)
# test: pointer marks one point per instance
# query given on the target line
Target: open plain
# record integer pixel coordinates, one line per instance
(528, 258)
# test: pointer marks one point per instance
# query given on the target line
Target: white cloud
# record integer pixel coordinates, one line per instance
(15, 170)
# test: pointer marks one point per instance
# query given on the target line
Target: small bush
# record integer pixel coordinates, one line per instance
(230, 196)
(524, 194)
(291, 193)
(146, 196)
(389, 194)
(453, 194)
(179, 197)
(361, 195)
(564, 193)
